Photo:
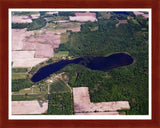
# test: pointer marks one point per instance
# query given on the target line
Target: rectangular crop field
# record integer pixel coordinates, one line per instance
(64, 37)
(26, 97)
(59, 87)
(61, 54)
(29, 107)
(18, 75)
(19, 70)
(25, 59)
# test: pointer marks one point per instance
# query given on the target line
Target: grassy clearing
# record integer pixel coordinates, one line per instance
(41, 42)
(25, 13)
(135, 21)
(26, 97)
(19, 70)
(94, 28)
(34, 89)
(64, 37)
(18, 75)
(59, 87)
(56, 18)
(105, 15)
(39, 91)
(61, 54)
(36, 34)
(67, 25)
(54, 26)
(58, 26)
(122, 113)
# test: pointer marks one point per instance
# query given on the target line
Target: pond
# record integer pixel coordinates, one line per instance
(95, 63)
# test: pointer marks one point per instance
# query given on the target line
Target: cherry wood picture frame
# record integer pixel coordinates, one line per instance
(4, 61)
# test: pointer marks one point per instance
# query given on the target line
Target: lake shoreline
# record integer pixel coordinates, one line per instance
(102, 63)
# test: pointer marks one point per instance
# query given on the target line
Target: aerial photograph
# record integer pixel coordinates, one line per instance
(79, 62)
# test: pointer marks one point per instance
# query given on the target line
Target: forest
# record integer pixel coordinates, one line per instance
(128, 83)
(36, 24)
(60, 104)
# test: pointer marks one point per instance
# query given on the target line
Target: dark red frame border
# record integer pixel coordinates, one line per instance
(6, 4)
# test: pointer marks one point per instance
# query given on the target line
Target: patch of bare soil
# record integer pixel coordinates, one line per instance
(43, 44)
(82, 103)
(18, 37)
(25, 59)
(84, 17)
(21, 19)
(32, 47)
(141, 13)
(29, 107)
(121, 22)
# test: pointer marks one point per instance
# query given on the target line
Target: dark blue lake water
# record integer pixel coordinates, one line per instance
(94, 63)
(125, 13)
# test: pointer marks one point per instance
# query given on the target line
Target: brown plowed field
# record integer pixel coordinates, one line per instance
(18, 38)
(82, 102)
(29, 107)
(32, 47)
(25, 59)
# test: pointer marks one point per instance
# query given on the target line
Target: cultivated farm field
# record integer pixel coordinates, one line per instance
(29, 107)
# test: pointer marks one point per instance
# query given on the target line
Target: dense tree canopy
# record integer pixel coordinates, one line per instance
(128, 83)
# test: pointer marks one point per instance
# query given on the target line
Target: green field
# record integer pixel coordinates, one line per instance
(64, 37)
(50, 19)
(61, 54)
(32, 90)
(19, 70)
(26, 97)
(59, 87)
(25, 13)
(58, 26)
(18, 75)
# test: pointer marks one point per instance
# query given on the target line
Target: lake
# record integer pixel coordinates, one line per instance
(121, 12)
(95, 63)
